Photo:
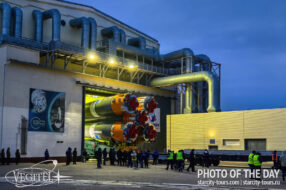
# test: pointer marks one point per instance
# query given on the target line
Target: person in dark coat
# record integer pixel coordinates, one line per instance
(68, 156)
(129, 158)
(140, 158)
(146, 158)
(84, 155)
(275, 159)
(109, 155)
(192, 160)
(112, 154)
(99, 157)
(206, 158)
(155, 157)
(104, 153)
(3, 156)
(119, 157)
(124, 157)
(8, 155)
(47, 155)
(74, 154)
(17, 156)
(95, 153)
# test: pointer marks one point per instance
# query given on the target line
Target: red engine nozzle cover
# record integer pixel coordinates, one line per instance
(141, 117)
(151, 105)
(131, 102)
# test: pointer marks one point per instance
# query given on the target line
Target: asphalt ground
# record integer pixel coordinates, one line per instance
(87, 176)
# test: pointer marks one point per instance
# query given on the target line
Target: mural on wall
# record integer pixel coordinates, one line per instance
(46, 111)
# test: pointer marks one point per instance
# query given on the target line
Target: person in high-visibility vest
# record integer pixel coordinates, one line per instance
(250, 160)
(180, 160)
(134, 159)
(275, 159)
(170, 159)
(257, 162)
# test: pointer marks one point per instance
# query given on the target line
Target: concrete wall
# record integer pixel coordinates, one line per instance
(187, 131)
(18, 81)
(69, 11)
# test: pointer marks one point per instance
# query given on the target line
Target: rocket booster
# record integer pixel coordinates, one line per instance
(121, 118)
(110, 106)
(118, 131)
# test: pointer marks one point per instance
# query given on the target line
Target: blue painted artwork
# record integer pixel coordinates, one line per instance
(46, 111)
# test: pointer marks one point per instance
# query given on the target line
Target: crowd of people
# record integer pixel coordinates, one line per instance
(138, 158)
(130, 158)
(177, 161)
(6, 156)
(133, 159)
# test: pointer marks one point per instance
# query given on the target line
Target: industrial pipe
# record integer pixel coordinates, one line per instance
(18, 16)
(83, 23)
(93, 33)
(22, 42)
(138, 42)
(114, 46)
(187, 54)
(6, 18)
(213, 85)
(112, 32)
(55, 15)
(203, 93)
(122, 36)
(38, 18)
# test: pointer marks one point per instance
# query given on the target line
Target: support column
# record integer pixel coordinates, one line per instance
(188, 93)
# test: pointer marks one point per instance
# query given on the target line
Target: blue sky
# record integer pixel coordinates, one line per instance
(247, 37)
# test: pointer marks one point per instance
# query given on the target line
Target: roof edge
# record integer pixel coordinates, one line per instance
(89, 6)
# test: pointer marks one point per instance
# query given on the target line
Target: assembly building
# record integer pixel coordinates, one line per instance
(73, 76)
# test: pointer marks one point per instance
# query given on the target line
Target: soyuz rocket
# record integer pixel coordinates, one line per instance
(121, 118)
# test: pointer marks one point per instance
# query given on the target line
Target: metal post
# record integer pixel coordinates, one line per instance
(181, 99)
(47, 59)
(182, 65)
(82, 120)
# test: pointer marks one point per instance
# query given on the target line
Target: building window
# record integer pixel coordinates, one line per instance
(231, 142)
(255, 144)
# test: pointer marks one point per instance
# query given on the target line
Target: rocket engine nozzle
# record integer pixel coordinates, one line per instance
(147, 103)
(131, 102)
(150, 133)
(130, 132)
(151, 105)
(141, 117)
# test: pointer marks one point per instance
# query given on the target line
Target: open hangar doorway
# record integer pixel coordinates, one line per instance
(94, 130)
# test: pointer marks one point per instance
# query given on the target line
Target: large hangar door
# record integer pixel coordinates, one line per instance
(255, 144)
